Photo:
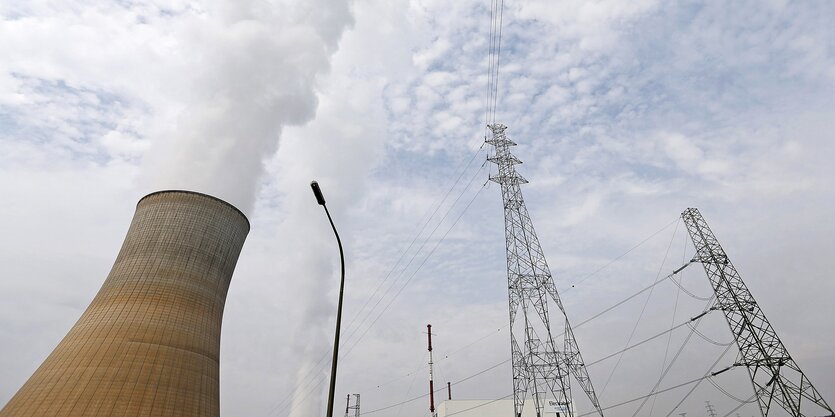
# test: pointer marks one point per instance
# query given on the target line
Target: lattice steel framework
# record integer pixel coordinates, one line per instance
(540, 367)
(711, 411)
(355, 408)
(776, 377)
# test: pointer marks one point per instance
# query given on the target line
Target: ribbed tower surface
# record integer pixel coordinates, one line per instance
(149, 343)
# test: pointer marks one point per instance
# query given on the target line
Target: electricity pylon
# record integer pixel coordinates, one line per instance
(710, 410)
(540, 367)
(355, 407)
(775, 375)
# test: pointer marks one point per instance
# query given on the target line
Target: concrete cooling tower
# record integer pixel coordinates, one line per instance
(149, 343)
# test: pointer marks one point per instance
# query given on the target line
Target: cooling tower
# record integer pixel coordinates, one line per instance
(149, 343)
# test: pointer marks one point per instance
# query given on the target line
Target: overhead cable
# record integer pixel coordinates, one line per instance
(647, 288)
(708, 374)
(644, 397)
(416, 270)
(619, 257)
(309, 378)
(698, 320)
(643, 310)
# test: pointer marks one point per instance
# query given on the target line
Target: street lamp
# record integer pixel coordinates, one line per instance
(321, 200)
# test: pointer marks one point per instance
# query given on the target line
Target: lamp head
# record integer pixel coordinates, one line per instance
(318, 193)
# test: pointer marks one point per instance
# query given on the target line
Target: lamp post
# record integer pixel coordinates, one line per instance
(321, 200)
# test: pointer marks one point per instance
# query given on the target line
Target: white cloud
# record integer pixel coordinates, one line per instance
(625, 114)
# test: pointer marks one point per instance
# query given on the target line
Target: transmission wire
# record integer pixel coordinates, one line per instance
(498, 59)
(643, 310)
(644, 397)
(351, 348)
(742, 404)
(620, 303)
(493, 68)
(313, 370)
(670, 336)
(420, 231)
(587, 365)
(446, 355)
(639, 244)
(708, 374)
(576, 326)
(728, 394)
(399, 410)
(707, 339)
(684, 290)
(488, 93)
(437, 390)
(415, 271)
(481, 405)
(409, 263)
(672, 362)
(668, 331)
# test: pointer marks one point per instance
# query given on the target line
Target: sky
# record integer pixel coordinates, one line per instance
(625, 114)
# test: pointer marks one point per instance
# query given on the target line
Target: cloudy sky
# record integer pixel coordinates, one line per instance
(625, 113)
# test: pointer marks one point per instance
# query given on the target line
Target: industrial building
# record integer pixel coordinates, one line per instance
(149, 342)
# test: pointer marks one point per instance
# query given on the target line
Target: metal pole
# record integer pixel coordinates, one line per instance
(321, 200)
(431, 376)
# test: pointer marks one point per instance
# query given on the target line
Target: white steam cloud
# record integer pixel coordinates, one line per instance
(251, 69)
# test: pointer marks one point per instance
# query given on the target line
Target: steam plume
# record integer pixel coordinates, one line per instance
(253, 70)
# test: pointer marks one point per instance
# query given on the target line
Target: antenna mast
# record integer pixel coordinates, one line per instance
(431, 374)
(540, 367)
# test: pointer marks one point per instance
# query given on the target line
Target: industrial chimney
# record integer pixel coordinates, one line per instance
(149, 343)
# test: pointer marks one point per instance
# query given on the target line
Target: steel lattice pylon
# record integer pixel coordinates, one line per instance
(775, 375)
(355, 407)
(540, 367)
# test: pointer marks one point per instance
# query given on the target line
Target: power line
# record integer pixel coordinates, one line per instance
(672, 361)
(388, 407)
(308, 378)
(651, 338)
(480, 405)
(677, 271)
(643, 309)
(728, 394)
(708, 374)
(647, 288)
(362, 335)
(707, 339)
(742, 404)
(498, 59)
(493, 73)
(348, 351)
(447, 355)
(416, 270)
(675, 312)
(493, 60)
(420, 231)
(706, 311)
(636, 246)
(409, 263)
(644, 397)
